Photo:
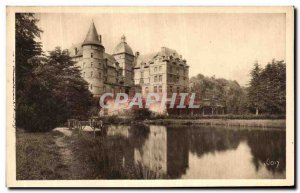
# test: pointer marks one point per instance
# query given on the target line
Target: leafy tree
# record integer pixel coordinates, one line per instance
(220, 91)
(27, 46)
(55, 91)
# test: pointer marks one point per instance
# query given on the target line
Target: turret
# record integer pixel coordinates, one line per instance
(125, 57)
(92, 60)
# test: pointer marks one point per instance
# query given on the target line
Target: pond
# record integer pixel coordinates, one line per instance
(189, 152)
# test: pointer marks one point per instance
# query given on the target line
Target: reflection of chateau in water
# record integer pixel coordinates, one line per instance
(164, 151)
(184, 152)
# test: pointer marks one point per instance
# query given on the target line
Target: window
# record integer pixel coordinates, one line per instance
(160, 68)
(99, 74)
(155, 78)
(92, 74)
(146, 90)
(155, 89)
(177, 78)
(91, 87)
(160, 89)
(91, 55)
(171, 88)
(91, 64)
(160, 78)
(178, 89)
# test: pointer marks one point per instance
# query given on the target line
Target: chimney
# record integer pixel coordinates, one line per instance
(100, 39)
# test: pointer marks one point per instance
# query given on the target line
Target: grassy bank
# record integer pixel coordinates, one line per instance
(38, 156)
(264, 123)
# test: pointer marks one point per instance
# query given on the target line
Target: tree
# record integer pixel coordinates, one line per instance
(267, 88)
(219, 90)
(27, 33)
(255, 92)
(55, 92)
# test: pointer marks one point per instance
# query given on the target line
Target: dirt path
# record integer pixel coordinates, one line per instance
(69, 160)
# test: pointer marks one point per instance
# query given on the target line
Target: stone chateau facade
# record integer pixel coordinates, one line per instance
(122, 71)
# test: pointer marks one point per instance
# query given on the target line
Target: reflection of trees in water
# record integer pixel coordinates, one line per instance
(138, 135)
(264, 145)
(268, 145)
(210, 140)
(177, 151)
(113, 155)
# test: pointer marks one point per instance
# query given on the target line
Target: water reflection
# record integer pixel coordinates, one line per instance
(196, 152)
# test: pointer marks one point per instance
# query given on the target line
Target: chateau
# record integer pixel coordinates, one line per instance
(123, 71)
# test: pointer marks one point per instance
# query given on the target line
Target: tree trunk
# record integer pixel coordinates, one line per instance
(256, 113)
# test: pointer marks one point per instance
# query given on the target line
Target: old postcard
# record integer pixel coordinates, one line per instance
(150, 96)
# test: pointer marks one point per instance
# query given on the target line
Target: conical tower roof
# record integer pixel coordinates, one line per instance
(92, 36)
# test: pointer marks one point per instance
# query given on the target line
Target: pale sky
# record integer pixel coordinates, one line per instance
(224, 45)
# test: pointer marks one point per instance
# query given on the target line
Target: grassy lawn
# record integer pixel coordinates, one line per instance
(38, 156)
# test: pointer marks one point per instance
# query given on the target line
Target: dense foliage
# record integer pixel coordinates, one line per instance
(49, 87)
(267, 88)
(220, 91)
(266, 92)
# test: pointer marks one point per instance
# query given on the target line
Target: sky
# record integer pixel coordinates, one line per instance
(223, 45)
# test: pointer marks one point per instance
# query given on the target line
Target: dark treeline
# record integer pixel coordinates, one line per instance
(267, 88)
(49, 88)
(265, 93)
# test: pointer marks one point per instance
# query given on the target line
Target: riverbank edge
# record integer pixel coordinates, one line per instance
(261, 123)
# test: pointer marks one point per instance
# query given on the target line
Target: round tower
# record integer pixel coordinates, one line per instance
(92, 61)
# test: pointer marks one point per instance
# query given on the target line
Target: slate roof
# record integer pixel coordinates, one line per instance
(92, 36)
(123, 47)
